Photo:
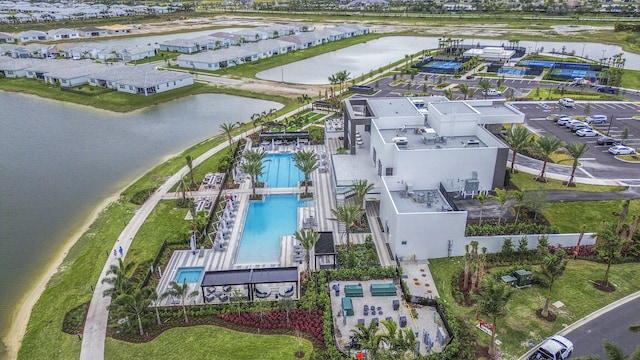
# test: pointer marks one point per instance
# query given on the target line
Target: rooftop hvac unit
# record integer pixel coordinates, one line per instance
(400, 140)
(473, 143)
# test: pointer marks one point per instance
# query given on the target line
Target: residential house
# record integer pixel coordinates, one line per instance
(92, 32)
(14, 68)
(63, 34)
(7, 38)
(32, 35)
(185, 46)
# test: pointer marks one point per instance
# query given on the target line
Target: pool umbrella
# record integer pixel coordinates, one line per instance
(192, 243)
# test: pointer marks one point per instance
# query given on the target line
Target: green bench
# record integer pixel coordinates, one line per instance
(353, 291)
(347, 306)
(383, 289)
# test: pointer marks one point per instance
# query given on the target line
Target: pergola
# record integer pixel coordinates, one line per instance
(251, 278)
(325, 248)
(285, 135)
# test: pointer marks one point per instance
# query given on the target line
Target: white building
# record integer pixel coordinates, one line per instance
(32, 35)
(490, 53)
(63, 34)
(418, 152)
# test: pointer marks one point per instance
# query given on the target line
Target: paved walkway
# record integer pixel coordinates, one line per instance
(93, 337)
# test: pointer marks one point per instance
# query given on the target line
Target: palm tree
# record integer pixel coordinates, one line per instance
(181, 292)
(135, 304)
(501, 198)
(545, 147)
(153, 295)
(120, 282)
(482, 199)
(485, 85)
(334, 80)
(608, 245)
(307, 162)
(347, 213)
(254, 169)
(368, 337)
(343, 76)
(448, 93)
(552, 268)
(518, 139)
(398, 340)
(308, 239)
(614, 352)
(575, 150)
(189, 160)
(227, 129)
(361, 188)
(493, 303)
(182, 189)
(464, 90)
(519, 198)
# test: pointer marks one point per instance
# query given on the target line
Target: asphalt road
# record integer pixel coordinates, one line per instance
(613, 326)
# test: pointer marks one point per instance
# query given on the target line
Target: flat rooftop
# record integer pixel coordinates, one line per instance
(495, 109)
(416, 141)
(392, 107)
(454, 107)
(420, 201)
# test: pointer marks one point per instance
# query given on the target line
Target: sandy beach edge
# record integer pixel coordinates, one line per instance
(21, 315)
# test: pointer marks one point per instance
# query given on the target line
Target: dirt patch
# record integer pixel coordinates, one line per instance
(482, 352)
(598, 285)
(551, 317)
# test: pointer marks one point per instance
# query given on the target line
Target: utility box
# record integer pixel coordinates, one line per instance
(524, 277)
(510, 280)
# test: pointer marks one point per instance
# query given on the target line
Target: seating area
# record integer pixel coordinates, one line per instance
(353, 291)
(388, 289)
(287, 291)
(262, 293)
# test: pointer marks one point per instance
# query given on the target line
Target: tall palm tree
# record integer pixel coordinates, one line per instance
(343, 76)
(361, 188)
(120, 281)
(308, 239)
(347, 213)
(546, 146)
(189, 160)
(553, 266)
(254, 169)
(307, 162)
(153, 295)
(368, 337)
(333, 80)
(254, 155)
(181, 292)
(519, 197)
(135, 304)
(464, 90)
(493, 303)
(485, 85)
(182, 189)
(518, 139)
(575, 150)
(448, 93)
(227, 129)
(501, 198)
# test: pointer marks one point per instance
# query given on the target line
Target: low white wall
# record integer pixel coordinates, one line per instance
(494, 243)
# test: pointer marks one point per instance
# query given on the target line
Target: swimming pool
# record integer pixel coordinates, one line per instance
(280, 171)
(188, 275)
(266, 222)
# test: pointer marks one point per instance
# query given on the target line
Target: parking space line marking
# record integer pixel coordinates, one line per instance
(587, 173)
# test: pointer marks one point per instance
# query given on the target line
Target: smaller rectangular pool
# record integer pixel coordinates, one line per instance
(188, 274)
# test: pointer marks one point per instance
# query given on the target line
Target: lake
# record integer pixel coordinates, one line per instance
(59, 161)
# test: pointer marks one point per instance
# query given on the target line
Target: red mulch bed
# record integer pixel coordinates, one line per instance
(598, 285)
(550, 318)
(309, 332)
(482, 352)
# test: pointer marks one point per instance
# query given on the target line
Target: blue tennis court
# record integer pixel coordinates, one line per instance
(441, 67)
(538, 63)
(512, 71)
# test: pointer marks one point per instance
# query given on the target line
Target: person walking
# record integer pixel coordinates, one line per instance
(115, 254)
(120, 251)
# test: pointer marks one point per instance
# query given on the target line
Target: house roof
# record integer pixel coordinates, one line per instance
(6, 36)
(148, 76)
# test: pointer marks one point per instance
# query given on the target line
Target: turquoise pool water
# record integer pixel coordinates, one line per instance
(266, 222)
(188, 275)
(281, 171)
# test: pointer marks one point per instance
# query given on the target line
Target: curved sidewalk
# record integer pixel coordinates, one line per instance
(94, 334)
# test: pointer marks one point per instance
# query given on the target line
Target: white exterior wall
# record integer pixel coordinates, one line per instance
(425, 169)
(453, 124)
(174, 84)
(426, 234)
(73, 82)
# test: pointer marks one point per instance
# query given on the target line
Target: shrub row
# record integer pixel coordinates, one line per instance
(510, 229)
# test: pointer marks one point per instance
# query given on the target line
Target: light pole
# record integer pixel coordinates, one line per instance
(582, 54)
(610, 122)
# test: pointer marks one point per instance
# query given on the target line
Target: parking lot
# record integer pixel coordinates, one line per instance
(597, 162)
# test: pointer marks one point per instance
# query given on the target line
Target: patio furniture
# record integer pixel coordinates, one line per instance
(262, 293)
(287, 291)
(224, 298)
(226, 288)
(347, 306)
(361, 322)
(388, 289)
(353, 290)
(396, 304)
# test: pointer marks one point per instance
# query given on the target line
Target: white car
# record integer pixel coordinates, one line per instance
(621, 150)
(572, 122)
(564, 120)
(567, 102)
(493, 92)
(554, 348)
(596, 119)
(587, 132)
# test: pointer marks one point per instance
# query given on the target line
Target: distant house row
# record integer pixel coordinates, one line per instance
(236, 55)
(26, 12)
(77, 51)
(67, 34)
(142, 80)
(224, 39)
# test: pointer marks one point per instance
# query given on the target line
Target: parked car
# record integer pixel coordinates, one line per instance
(492, 92)
(587, 132)
(567, 102)
(469, 77)
(556, 117)
(621, 150)
(583, 125)
(564, 120)
(608, 140)
(606, 89)
(571, 122)
(596, 119)
(554, 348)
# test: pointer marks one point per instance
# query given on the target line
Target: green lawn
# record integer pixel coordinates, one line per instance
(525, 181)
(71, 286)
(571, 216)
(209, 342)
(573, 289)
